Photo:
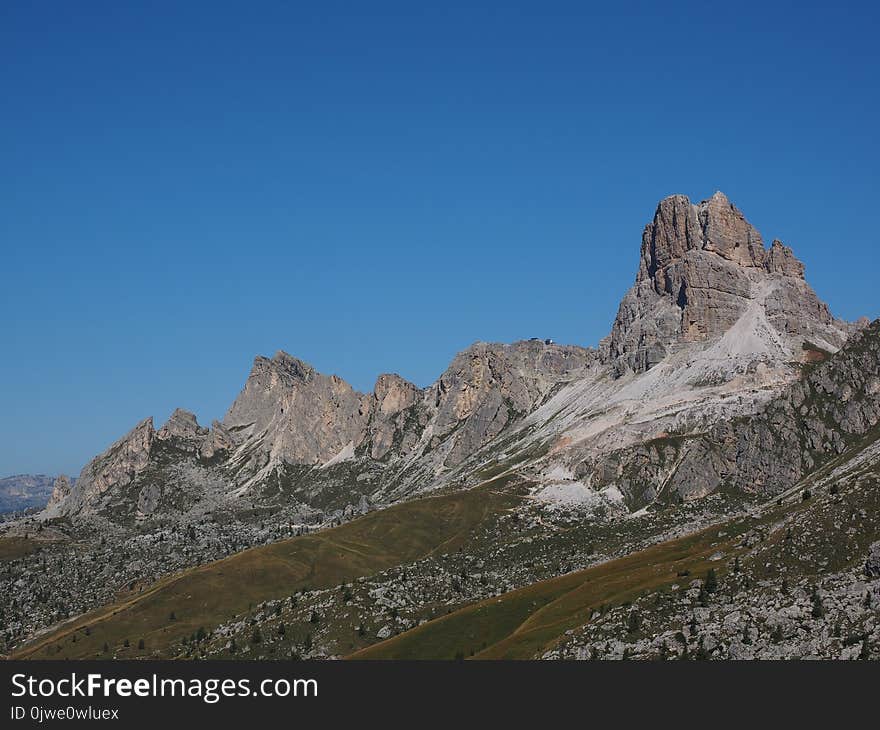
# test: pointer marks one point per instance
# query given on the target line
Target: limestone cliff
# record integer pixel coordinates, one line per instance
(701, 267)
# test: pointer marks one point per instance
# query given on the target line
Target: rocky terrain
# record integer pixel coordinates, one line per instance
(725, 392)
(804, 587)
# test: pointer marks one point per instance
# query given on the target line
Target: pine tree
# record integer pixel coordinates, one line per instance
(633, 622)
(711, 583)
(702, 654)
(818, 608)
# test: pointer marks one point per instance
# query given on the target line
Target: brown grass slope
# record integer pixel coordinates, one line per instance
(524, 623)
(208, 595)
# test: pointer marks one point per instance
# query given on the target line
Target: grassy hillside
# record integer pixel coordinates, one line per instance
(12, 547)
(523, 623)
(210, 594)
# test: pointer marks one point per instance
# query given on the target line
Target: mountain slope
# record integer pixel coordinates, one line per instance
(205, 596)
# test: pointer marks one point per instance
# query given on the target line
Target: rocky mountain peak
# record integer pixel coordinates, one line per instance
(298, 414)
(726, 232)
(780, 259)
(183, 425)
(703, 269)
(394, 393)
(714, 225)
(290, 365)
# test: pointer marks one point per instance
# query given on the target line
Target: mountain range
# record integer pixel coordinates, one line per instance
(714, 326)
(726, 406)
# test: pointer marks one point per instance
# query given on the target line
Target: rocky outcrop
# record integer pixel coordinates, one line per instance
(872, 564)
(289, 415)
(60, 489)
(396, 422)
(299, 415)
(726, 232)
(488, 386)
(780, 259)
(181, 425)
(116, 467)
(292, 414)
(218, 442)
(701, 268)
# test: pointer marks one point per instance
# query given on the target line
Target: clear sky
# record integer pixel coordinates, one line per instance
(374, 186)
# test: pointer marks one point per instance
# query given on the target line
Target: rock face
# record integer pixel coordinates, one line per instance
(60, 489)
(116, 467)
(831, 408)
(489, 386)
(289, 413)
(395, 419)
(701, 268)
(300, 415)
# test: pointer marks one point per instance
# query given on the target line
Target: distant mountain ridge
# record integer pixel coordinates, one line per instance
(25, 491)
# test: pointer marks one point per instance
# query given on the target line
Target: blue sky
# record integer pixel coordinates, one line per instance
(374, 186)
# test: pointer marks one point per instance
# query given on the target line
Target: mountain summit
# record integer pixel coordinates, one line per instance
(702, 268)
